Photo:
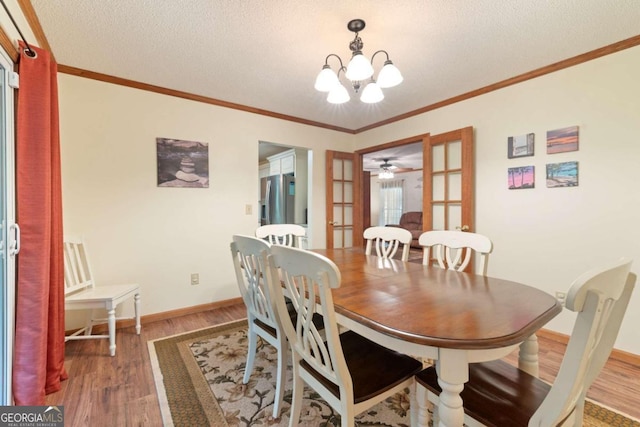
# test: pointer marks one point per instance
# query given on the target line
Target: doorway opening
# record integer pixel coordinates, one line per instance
(284, 187)
(395, 182)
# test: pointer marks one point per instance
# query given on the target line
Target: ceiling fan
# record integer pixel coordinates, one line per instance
(379, 164)
(387, 165)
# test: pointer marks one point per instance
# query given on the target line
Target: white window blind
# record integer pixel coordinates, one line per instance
(391, 201)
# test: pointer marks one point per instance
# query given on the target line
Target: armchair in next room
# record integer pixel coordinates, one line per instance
(411, 221)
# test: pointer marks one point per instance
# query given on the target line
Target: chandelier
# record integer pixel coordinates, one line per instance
(359, 71)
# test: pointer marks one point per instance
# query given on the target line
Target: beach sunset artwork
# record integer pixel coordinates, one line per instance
(520, 146)
(521, 177)
(563, 174)
(562, 140)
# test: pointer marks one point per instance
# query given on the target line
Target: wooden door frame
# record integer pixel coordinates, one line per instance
(464, 134)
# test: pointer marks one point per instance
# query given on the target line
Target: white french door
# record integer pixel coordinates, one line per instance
(9, 231)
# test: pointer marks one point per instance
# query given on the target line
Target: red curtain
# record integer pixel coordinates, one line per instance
(38, 365)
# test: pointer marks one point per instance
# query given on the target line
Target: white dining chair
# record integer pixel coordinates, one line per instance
(499, 394)
(347, 370)
(282, 234)
(248, 262)
(453, 250)
(387, 241)
(82, 293)
(246, 252)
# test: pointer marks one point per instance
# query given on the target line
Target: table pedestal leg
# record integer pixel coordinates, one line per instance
(452, 368)
(528, 355)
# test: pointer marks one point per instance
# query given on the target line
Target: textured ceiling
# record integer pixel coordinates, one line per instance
(266, 54)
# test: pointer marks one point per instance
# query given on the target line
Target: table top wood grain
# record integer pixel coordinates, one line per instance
(435, 307)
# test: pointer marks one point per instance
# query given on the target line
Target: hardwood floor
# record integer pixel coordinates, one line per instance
(120, 390)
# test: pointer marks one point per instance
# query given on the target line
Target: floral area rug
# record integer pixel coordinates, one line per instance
(199, 382)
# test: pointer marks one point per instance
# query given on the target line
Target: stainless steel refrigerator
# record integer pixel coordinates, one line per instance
(277, 199)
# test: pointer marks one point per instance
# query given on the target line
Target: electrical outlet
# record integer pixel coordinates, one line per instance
(248, 210)
(195, 279)
(562, 297)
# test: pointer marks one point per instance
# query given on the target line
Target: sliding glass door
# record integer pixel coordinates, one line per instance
(9, 233)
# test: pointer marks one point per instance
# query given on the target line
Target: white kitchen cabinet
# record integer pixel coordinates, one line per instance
(282, 163)
(264, 170)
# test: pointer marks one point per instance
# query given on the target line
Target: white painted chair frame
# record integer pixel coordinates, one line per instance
(282, 234)
(248, 262)
(387, 241)
(82, 293)
(307, 278)
(453, 250)
(600, 298)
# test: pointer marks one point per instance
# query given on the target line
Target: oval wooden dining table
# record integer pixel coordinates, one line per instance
(453, 318)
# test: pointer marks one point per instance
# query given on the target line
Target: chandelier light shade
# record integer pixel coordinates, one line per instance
(372, 93)
(359, 71)
(359, 68)
(326, 80)
(338, 94)
(389, 76)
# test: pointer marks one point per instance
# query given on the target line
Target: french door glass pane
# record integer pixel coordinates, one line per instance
(337, 238)
(455, 216)
(337, 192)
(454, 155)
(337, 215)
(348, 237)
(438, 187)
(348, 192)
(337, 169)
(348, 170)
(438, 162)
(438, 217)
(455, 186)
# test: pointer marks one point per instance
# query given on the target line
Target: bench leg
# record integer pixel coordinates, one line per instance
(136, 303)
(112, 331)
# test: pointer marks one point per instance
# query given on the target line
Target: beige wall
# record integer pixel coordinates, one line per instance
(159, 236)
(546, 237)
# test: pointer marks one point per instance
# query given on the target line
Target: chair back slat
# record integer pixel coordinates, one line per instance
(453, 250)
(307, 278)
(282, 234)
(499, 393)
(77, 272)
(601, 300)
(249, 267)
(387, 241)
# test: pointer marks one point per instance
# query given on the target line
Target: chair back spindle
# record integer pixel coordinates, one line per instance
(453, 250)
(291, 235)
(387, 241)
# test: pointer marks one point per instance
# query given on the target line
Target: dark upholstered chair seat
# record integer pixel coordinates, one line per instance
(497, 394)
(364, 359)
